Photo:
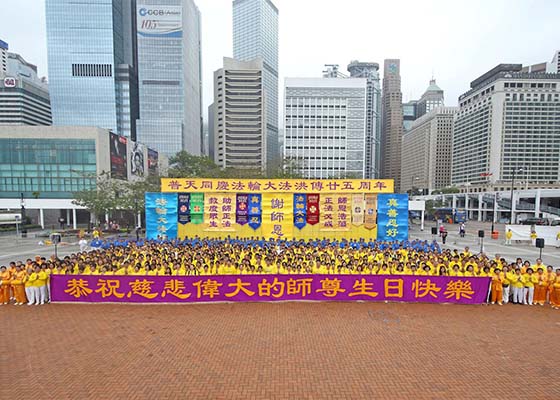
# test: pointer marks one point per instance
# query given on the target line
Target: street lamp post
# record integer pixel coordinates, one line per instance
(513, 171)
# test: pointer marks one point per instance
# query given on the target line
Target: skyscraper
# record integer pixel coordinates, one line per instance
(392, 131)
(325, 126)
(370, 71)
(410, 110)
(87, 43)
(426, 152)
(255, 34)
(3, 56)
(169, 75)
(24, 97)
(432, 98)
(507, 126)
(239, 116)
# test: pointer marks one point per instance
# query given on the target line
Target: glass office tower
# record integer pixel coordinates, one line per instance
(169, 75)
(87, 42)
(255, 34)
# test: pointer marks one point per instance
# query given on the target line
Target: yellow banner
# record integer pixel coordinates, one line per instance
(219, 212)
(278, 215)
(358, 209)
(334, 212)
(202, 185)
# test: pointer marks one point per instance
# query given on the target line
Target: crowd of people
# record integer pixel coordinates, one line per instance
(519, 282)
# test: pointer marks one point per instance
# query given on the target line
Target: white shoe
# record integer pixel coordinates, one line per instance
(30, 304)
(42, 303)
(492, 303)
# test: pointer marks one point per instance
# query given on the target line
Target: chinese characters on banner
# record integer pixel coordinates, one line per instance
(392, 217)
(313, 209)
(191, 289)
(300, 210)
(335, 212)
(255, 211)
(161, 215)
(241, 209)
(219, 213)
(277, 215)
(343, 186)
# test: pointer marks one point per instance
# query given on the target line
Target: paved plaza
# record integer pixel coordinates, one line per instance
(279, 351)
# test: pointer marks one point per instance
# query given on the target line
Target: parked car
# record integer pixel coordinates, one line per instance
(556, 222)
(534, 221)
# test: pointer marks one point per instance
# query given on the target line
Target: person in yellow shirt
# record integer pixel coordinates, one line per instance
(31, 290)
(529, 281)
(497, 286)
(5, 285)
(509, 276)
(18, 281)
(509, 235)
(469, 271)
(555, 295)
(541, 287)
(41, 285)
(517, 285)
(455, 271)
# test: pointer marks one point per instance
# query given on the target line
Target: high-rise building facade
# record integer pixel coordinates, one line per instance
(239, 115)
(24, 97)
(169, 75)
(409, 114)
(370, 71)
(432, 98)
(426, 152)
(325, 126)
(255, 34)
(87, 42)
(392, 131)
(507, 122)
(3, 57)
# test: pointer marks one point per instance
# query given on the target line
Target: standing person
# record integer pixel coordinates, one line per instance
(443, 236)
(509, 235)
(18, 281)
(506, 284)
(30, 282)
(529, 281)
(555, 294)
(533, 237)
(41, 286)
(462, 230)
(541, 287)
(517, 287)
(5, 285)
(83, 244)
(497, 286)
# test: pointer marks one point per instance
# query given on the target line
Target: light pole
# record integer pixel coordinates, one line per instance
(513, 171)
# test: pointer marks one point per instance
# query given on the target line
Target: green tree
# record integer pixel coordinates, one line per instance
(104, 198)
(185, 165)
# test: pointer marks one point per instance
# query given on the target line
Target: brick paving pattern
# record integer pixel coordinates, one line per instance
(279, 351)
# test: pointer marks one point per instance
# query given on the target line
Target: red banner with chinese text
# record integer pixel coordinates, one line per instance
(313, 209)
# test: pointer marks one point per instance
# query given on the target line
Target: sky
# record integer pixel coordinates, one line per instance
(454, 40)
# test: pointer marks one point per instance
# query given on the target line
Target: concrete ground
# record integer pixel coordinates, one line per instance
(550, 254)
(279, 351)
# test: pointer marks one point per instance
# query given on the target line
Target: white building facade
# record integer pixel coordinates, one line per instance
(426, 152)
(24, 97)
(507, 125)
(239, 126)
(325, 126)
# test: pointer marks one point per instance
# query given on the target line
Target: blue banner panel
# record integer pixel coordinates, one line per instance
(161, 216)
(255, 210)
(392, 217)
(300, 210)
